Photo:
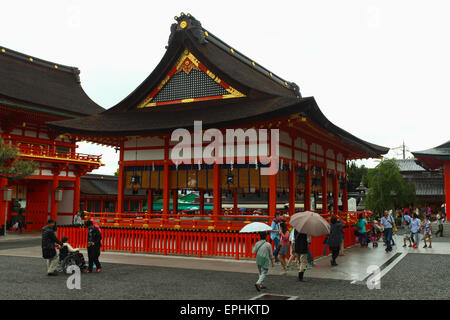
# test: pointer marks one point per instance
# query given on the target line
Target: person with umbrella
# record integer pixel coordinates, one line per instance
(335, 239)
(306, 223)
(301, 250)
(264, 257)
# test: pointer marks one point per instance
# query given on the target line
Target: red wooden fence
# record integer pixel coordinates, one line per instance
(198, 243)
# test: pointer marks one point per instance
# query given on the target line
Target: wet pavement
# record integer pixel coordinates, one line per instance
(144, 276)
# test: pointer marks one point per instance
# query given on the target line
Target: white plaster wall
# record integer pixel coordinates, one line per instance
(285, 137)
(285, 152)
(43, 135)
(66, 205)
(63, 220)
(331, 164)
(154, 154)
(29, 133)
(144, 142)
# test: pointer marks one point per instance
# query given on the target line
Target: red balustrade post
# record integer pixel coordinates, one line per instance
(164, 243)
(133, 241)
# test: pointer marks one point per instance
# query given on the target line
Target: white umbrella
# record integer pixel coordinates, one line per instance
(255, 227)
(310, 223)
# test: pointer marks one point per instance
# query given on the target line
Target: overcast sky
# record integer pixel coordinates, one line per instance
(378, 69)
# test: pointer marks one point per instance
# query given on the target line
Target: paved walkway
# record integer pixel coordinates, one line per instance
(352, 266)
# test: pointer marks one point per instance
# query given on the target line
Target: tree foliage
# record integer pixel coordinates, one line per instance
(387, 189)
(11, 167)
(355, 175)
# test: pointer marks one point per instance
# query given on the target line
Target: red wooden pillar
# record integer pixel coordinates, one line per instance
(308, 188)
(272, 195)
(344, 193)
(216, 190)
(120, 193)
(76, 196)
(324, 190)
(202, 202)
(3, 202)
(307, 197)
(149, 201)
(54, 203)
(292, 189)
(166, 175)
(335, 193)
(174, 201)
(447, 188)
(235, 202)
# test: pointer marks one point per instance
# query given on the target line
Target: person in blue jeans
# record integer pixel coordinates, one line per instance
(275, 234)
(388, 223)
(361, 224)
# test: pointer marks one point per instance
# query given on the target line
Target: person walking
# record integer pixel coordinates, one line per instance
(275, 234)
(292, 250)
(48, 247)
(94, 246)
(361, 225)
(301, 250)
(285, 244)
(388, 223)
(20, 219)
(335, 239)
(440, 223)
(264, 257)
(427, 232)
(416, 226)
(310, 256)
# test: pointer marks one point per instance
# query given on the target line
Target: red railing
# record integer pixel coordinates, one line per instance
(37, 151)
(176, 221)
(193, 219)
(171, 234)
(190, 243)
(199, 243)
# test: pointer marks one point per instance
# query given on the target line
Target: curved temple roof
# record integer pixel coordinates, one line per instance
(261, 96)
(433, 158)
(44, 83)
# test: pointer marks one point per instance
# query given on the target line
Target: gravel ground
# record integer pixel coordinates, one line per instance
(415, 277)
(22, 243)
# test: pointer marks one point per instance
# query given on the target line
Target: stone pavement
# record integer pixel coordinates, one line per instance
(352, 266)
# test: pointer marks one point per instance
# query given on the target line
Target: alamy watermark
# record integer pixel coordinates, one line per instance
(374, 279)
(74, 281)
(227, 149)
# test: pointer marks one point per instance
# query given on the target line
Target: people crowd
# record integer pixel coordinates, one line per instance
(291, 243)
(55, 259)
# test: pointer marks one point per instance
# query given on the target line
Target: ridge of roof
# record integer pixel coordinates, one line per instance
(41, 62)
(27, 79)
(441, 150)
(188, 22)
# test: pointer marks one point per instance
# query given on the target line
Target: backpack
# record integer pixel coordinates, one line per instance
(359, 224)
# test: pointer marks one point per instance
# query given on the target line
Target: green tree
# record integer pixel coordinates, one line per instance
(355, 175)
(11, 167)
(387, 189)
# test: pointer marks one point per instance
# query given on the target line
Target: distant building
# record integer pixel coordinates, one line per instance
(429, 183)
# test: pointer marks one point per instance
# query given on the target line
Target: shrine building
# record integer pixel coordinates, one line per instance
(438, 158)
(201, 78)
(33, 92)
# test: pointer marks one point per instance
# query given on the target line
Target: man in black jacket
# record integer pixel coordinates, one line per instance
(48, 247)
(94, 245)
